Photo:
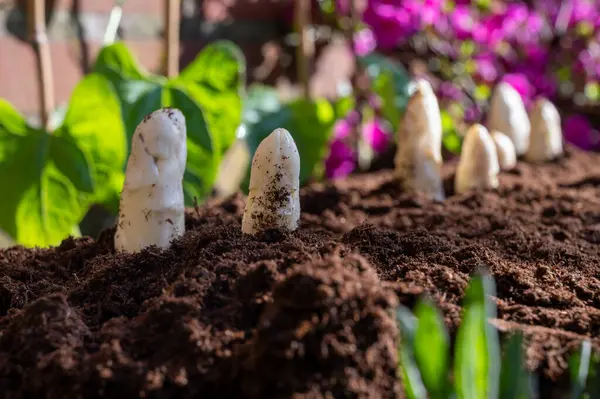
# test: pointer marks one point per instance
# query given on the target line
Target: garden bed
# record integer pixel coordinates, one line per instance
(226, 315)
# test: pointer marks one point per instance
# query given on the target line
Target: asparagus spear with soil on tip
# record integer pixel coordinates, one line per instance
(418, 159)
(478, 167)
(507, 156)
(508, 115)
(151, 211)
(546, 134)
(274, 197)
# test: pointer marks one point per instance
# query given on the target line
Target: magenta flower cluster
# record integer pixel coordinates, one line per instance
(545, 48)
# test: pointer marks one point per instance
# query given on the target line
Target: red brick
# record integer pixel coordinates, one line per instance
(153, 7)
(249, 10)
(19, 86)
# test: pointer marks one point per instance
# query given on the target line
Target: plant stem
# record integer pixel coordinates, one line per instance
(114, 20)
(171, 39)
(305, 48)
(36, 20)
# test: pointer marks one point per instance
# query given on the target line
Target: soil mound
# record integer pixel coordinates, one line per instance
(308, 313)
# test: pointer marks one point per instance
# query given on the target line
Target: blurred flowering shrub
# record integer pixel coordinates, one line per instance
(547, 48)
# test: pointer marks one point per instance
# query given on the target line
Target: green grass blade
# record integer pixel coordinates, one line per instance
(515, 380)
(431, 349)
(477, 353)
(411, 377)
(579, 367)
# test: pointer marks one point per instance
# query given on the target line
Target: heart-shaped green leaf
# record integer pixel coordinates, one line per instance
(40, 204)
(215, 80)
(93, 123)
(116, 58)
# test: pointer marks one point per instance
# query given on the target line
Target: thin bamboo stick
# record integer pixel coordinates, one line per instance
(305, 48)
(171, 39)
(114, 20)
(36, 19)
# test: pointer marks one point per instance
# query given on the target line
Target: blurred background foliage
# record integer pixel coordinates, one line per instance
(342, 106)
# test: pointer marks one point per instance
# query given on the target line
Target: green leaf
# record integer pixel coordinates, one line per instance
(411, 376)
(431, 347)
(215, 80)
(148, 101)
(309, 123)
(73, 163)
(93, 123)
(41, 204)
(116, 58)
(202, 163)
(477, 354)
(579, 367)
(390, 81)
(515, 380)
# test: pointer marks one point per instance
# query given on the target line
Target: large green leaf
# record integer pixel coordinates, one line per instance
(477, 353)
(202, 163)
(431, 347)
(116, 58)
(93, 123)
(310, 124)
(408, 369)
(40, 203)
(390, 81)
(216, 79)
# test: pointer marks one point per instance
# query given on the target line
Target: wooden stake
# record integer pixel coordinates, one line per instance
(171, 39)
(36, 20)
(305, 49)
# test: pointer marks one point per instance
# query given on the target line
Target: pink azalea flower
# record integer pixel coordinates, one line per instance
(520, 83)
(376, 136)
(364, 42)
(340, 162)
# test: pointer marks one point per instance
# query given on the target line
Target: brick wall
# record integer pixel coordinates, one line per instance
(76, 29)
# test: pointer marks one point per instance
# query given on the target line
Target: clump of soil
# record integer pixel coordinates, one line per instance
(309, 313)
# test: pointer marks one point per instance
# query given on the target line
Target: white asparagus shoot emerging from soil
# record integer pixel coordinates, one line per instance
(507, 157)
(151, 211)
(478, 167)
(508, 115)
(274, 197)
(418, 160)
(546, 134)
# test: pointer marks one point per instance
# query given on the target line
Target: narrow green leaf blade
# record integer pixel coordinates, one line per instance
(408, 369)
(579, 367)
(515, 380)
(431, 347)
(477, 354)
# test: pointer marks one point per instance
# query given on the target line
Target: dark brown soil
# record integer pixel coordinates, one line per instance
(310, 313)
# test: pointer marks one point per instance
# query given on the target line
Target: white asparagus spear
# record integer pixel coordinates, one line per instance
(151, 211)
(507, 156)
(508, 115)
(274, 197)
(478, 167)
(546, 134)
(418, 159)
